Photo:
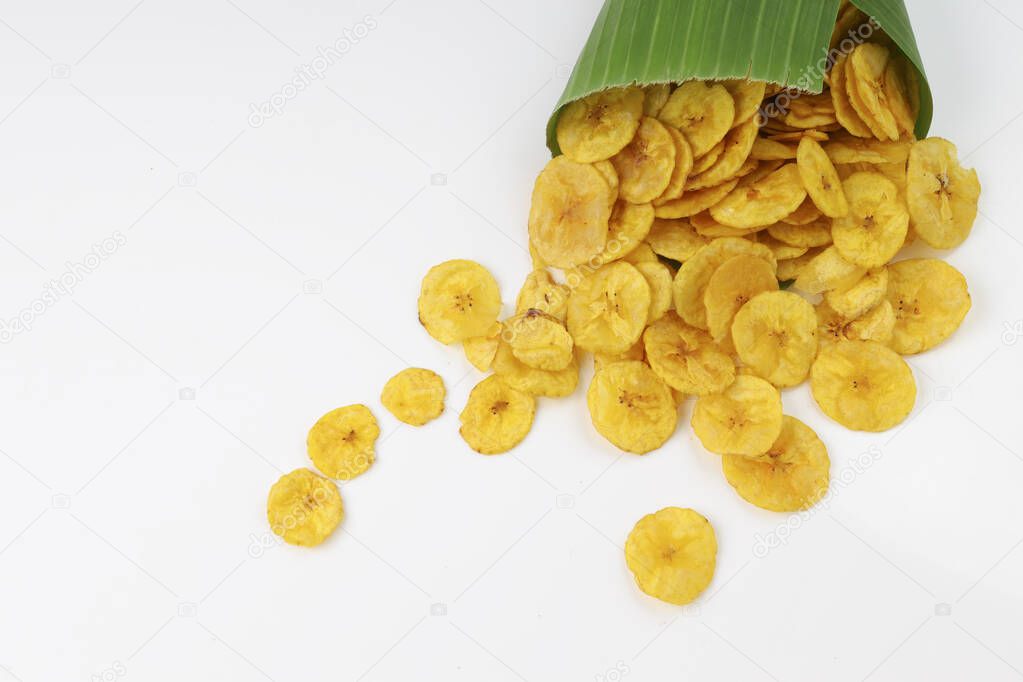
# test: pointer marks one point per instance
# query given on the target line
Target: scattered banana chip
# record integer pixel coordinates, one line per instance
(876, 226)
(660, 279)
(694, 275)
(734, 283)
(414, 396)
(794, 474)
(861, 297)
(599, 126)
(826, 271)
(541, 292)
(304, 508)
(571, 207)
(675, 239)
(704, 112)
(480, 350)
(930, 300)
(764, 202)
(631, 407)
(646, 164)
(686, 358)
(672, 554)
(608, 310)
(496, 417)
(863, 385)
(539, 341)
(775, 334)
(748, 96)
(821, 179)
(745, 419)
(459, 299)
(942, 195)
(537, 382)
(341, 442)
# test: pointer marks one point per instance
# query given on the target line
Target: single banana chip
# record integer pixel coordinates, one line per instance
(602, 360)
(694, 275)
(817, 233)
(821, 179)
(683, 167)
(496, 417)
(459, 299)
(686, 358)
(863, 385)
(930, 299)
(672, 555)
(846, 150)
(806, 214)
(745, 419)
(304, 508)
(631, 407)
(568, 219)
(876, 226)
(861, 297)
(655, 96)
(876, 325)
(610, 175)
(608, 310)
(748, 96)
(704, 112)
(675, 239)
(865, 77)
(599, 126)
(541, 292)
(775, 334)
(541, 383)
(480, 350)
(646, 164)
(764, 202)
(660, 280)
(942, 195)
(341, 442)
(794, 475)
(844, 111)
(539, 341)
(691, 203)
(414, 396)
(734, 283)
(765, 149)
(628, 228)
(738, 144)
(828, 270)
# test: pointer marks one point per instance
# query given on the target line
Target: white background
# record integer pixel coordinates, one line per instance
(270, 273)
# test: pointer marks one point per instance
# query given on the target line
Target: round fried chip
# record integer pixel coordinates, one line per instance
(480, 350)
(793, 475)
(854, 301)
(631, 407)
(817, 233)
(764, 202)
(745, 419)
(599, 126)
(876, 226)
(691, 203)
(304, 508)
(341, 442)
(694, 275)
(942, 195)
(686, 358)
(704, 112)
(863, 385)
(821, 179)
(748, 96)
(541, 292)
(537, 382)
(496, 417)
(683, 167)
(459, 299)
(675, 239)
(660, 279)
(608, 310)
(628, 228)
(844, 111)
(568, 219)
(775, 334)
(930, 299)
(672, 554)
(734, 283)
(539, 340)
(646, 164)
(414, 396)
(826, 271)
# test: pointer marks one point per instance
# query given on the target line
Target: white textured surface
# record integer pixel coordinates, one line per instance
(270, 273)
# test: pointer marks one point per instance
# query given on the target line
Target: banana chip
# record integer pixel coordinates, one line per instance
(641, 254)
(304, 508)
(631, 407)
(686, 358)
(930, 300)
(748, 96)
(496, 417)
(459, 299)
(480, 350)
(628, 228)
(568, 219)
(738, 144)
(694, 275)
(608, 310)
(794, 474)
(734, 283)
(863, 385)
(704, 162)
(764, 202)
(537, 382)
(706, 226)
(861, 297)
(745, 419)
(646, 164)
(660, 279)
(541, 292)
(675, 239)
(826, 271)
(539, 341)
(821, 179)
(876, 226)
(775, 334)
(672, 554)
(942, 195)
(414, 396)
(704, 112)
(599, 126)
(691, 203)
(341, 442)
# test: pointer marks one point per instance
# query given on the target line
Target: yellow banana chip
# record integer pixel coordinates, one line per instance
(537, 382)
(675, 239)
(686, 358)
(861, 297)
(942, 195)
(660, 279)
(304, 508)
(691, 203)
(459, 299)
(706, 226)
(930, 299)
(539, 341)
(628, 228)
(775, 334)
(821, 179)
(496, 417)
(683, 167)
(704, 113)
(541, 292)
(844, 111)
(826, 271)
(568, 219)
(817, 233)
(694, 275)
(863, 385)
(672, 554)
(748, 96)
(734, 283)
(599, 126)
(414, 396)
(876, 226)
(745, 419)
(793, 475)
(764, 202)
(646, 164)
(738, 143)
(631, 407)
(341, 442)
(480, 350)
(608, 310)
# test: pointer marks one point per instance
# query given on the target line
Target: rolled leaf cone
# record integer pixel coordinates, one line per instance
(786, 42)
